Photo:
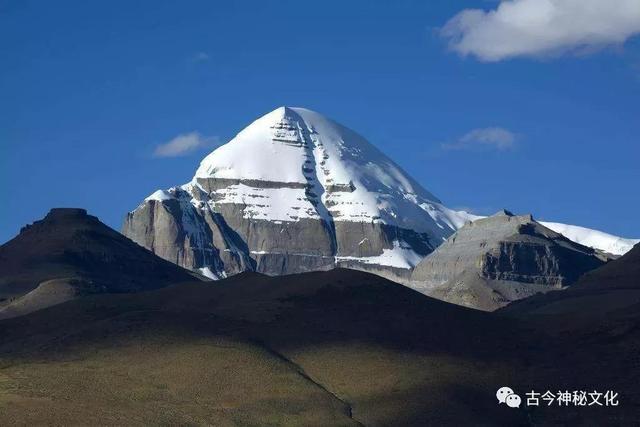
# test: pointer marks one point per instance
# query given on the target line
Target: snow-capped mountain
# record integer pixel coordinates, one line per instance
(593, 238)
(294, 191)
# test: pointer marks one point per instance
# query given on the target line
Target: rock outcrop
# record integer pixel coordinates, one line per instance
(495, 260)
(608, 295)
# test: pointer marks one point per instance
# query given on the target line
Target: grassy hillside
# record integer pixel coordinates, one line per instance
(327, 348)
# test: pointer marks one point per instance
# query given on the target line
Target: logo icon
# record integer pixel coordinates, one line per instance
(513, 401)
(508, 396)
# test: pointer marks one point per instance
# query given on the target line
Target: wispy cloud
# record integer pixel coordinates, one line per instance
(496, 138)
(542, 28)
(200, 57)
(479, 210)
(184, 144)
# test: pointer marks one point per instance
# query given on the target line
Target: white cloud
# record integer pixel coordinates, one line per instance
(184, 144)
(542, 28)
(492, 137)
(200, 57)
(481, 211)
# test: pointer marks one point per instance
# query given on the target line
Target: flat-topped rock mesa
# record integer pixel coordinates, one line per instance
(495, 260)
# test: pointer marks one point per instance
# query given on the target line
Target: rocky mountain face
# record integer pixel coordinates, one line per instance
(495, 260)
(611, 288)
(70, 253)
(294, 192)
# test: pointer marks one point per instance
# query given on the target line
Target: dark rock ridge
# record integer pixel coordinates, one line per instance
(621, 273)
(70, 253)
(613, 287)
(493, 261)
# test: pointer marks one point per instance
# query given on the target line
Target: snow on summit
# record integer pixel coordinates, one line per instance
(321, 169)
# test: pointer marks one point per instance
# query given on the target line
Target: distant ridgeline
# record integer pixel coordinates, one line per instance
(296, 192)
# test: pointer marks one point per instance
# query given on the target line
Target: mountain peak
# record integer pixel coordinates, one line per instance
(68, 253)
(66, 213)
(294, 191)
(503, 212)
(286, 114)
(293, 147)
(64, 217)
(285, 110)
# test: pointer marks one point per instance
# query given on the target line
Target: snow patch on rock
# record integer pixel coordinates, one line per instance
(400, 256)
(160, 195)
(207, 272)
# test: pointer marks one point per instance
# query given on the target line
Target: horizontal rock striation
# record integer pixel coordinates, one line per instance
(495, 260)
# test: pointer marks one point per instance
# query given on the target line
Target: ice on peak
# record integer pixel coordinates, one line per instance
(297, 153)
(160, 195)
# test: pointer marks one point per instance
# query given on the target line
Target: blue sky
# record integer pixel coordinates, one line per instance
(90, 89)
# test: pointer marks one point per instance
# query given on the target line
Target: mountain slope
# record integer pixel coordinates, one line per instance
(622, 273)
(495, 260)
(592, 320)
(293, 192)
(70, 253)
(326, 348)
